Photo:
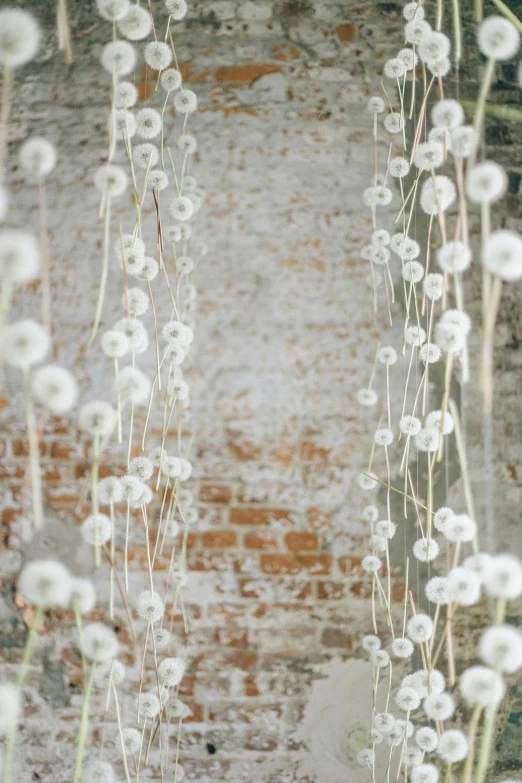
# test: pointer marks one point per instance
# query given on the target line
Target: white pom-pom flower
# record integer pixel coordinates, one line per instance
(399, 167)
(182, 208)
(45, 583)
(37, 157)
(371, 643)
(25, 343)
(501, 648)
(365, 757)
(437, 194)
(428, 439)
(171, 79)
(371, 564)
(503, 577)
(83, 595)
(149, 705)
(425, 773)
(479, 685)
(439, 706)
(11, 701)
(98, 643)
(460, 528)
(407, 699)
(97, 418)
(171, 671)
(158, 55)
(125, 95)
(394, 122)
(19, 256)
(387, 355)
(177, 9)
(425, 549)
(433, 286)
(502, 255)
(110, 673)
(110, 490)
(453, 746)
(133, 385)
(394, 68)
(114, 344)
(427, 739)
(464, 141)
(112, 10)
(55, 388)
(464, 586)
(420, 628)
(486, 182)
(437, 590)
(415, 30)
(498, 38)
(434, 46)
(19, 37)
(131, 741)
(136, 24)
(428, 155)
(367, 397)
(429, 353)
(118, 57)
(185, 101)
(150, 606)
(384, 722)
(454, 257)
(96, 529)
(376, 105)
(447, 113)
(111, 180)
(148, 123)
(381, 659)
(145, 155)
(135, 332)
(402, 648)
(410, 426)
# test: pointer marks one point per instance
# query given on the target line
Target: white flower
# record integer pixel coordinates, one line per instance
(464, 586)
(141, 467)
(378, 254)
(135, 332)
(384, 722)
(503, 577)
(55, 388)
(371, 643)
(125, 124)
(83, 595)
(148, 123)
(24, 343)
(131, 487)
(501, 648)
(98, 771)
(439, 706)
(109, 673)
(176, 331)
(380, 659)
(149, 705)
(412, 272)
(131, 741)
(10, 697)
(136, 24)
(402, 648)
(433, 286)
(367, 481)
(449, 337)
(428, 155)
(399, 167)
(110, 490)
(502, 255)
(453, 746)
(433, 46)
(182, 208)
(424, 773)
(420, 628)
(19, 37)
(158, 55)
(97, 418)
(98, 643)
(437, 590)
(187, 144)
(409, 58)
(478, 563)
(171, 79)
(137, 300)
(429, 353)
(133, 385)
(176, 8)
(185, 101)
(383, 437)
(406, 248)
(162, 638)
(171, 671)
(386, 528)
(407, 699)
(454, 257)
(371, 564)
(439, 68)
(486, 182)
(483, 686)
(387, 355)
(367, 397)
(428, 439)
(365, 757)
(425, 549)
(96, 529)
(447, 113)
(184, 265)
(441, 517)
(427, 739)
(112, 10)
(145, 155)
(118, 58)
(114, 344)
(409, 426)
(370, 513)
(464, 141)
(434, 419)
(111, 180)
(498, 38)
(413, 11)
(394, 122)
(394, 68)
(45, 583)
(125, 95)
(19, 256)
(149, 270)
(37, 157)
(460, 528)
(150, 606)
(437, 194)
(376, 105)
(415, 30)
(425, 682)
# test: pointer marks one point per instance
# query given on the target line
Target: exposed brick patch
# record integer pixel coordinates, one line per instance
(219, 539)
(337, 637)
(244, 74)
(318, 565)
(346, 32)
(256, 516)
(301, 542)
(214, 493)
(263, 540)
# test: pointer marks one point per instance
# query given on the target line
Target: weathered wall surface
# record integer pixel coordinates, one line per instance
(284, 341)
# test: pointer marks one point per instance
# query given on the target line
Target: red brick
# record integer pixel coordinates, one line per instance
(260, 541)
(346, 32)
(319, 565)
(214, 493)
(233, 637)
(256, 516)
(243, 74)
(251, 688)
(21, 448)
(336, 637)
(301, 542)
(328, 591)
(60, 450)
(219, 539)
(245, 450)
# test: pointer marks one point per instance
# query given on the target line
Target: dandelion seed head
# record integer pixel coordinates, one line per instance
(55, 388)
(478, 563)
(184, 265)
(157, 180)
(141, 467)
(187, 144)
(502, 255)
(37, 157)
(171, 671)
(464, 141)
(387, 355)
(503, 577)
(371, 643)
(176, 8)
(149, 270)
(399, 167)
(394, 68)
(425, 773)
(367, 481)
(434, 419)
(376, 105)
(433, 286)
(428, 439)
(125, 124)
(402, 648)
(454, 257)
(409, 58)
(171, 79)
(136, 24)
(453, 746)
(135, 332)
(415, 29)
(383, 437)
(394, 122)
(45, 583)
(370, 513)
(425, 549)
(500, 647)
(114, 344)
(429, 353)
(131, 741)
(149, 705)
(413, 11)
(111, 180)
(118, 57)
(378, 254)
(182, 208)
(427, 739)
(428, 155)
(412, 756)
(176, 331)
(162, 638)
(386, 528)
(380, 659)
(420, 628)
(83, 595)
(460, 528)
(148, 123)
(384, 722)
(447, 113)
(367, 397)
(437, 590)
(131, 488)
(439, 68)
(19, 37)
(185, 101)
(439, 706)
(412, 271)
(407, 699)
(24, 343)
(98, 643)
(96, 529)
(486, 182)
(158, 55)
(365, 757)
(480, 685)
(437, 193)
(109, 673)
(371, 564)
(498, 38)
(110, 490)
(449, 337)
(150, 606)
(97, 418)
(410, 425)
(125, 95)
(434, 46)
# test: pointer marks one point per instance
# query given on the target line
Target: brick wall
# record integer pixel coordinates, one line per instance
(276, 601)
